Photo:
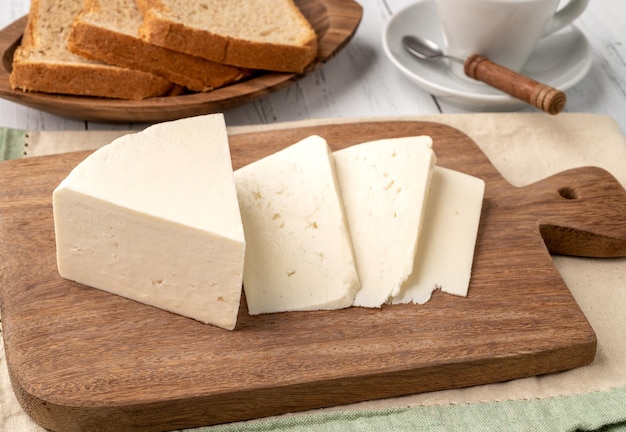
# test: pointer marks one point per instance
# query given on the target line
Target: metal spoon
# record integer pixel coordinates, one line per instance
(480, 68)
(425, 49)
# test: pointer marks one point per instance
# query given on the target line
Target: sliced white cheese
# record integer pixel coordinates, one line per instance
(154, 217)
(298, 251)
(384, 185)
(446, 249)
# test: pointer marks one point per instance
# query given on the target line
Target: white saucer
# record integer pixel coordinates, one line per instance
(560, 60)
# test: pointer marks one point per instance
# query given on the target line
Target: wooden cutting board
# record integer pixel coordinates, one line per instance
(83, 359)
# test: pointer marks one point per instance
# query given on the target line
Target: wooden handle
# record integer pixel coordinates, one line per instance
(579, 212)
(539, 95)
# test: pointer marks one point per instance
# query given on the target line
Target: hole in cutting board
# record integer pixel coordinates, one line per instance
(568, 193)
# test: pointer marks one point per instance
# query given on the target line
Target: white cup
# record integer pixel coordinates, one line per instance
(505, 31)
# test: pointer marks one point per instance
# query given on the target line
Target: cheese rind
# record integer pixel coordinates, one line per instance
(299, 255)
(384, 185)
(154, 217)
(445, 254)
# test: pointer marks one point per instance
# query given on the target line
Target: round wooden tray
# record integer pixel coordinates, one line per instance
(335, 22)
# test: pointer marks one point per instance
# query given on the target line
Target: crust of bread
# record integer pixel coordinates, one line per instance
(92, 80)
(87, 78)
(223, 49)
(196, 73)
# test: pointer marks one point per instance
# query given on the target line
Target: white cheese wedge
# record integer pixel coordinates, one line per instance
(446, 251)
(384, 185)
(154, 217)
(298, 250)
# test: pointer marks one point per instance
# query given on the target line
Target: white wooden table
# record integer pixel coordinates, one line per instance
(362, 82)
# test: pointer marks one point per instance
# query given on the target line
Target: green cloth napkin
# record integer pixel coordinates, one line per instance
(11, 143)
(599, 411)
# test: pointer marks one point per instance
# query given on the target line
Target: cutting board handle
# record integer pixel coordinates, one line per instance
(580, 212)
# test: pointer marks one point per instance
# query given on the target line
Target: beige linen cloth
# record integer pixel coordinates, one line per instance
(524, 148)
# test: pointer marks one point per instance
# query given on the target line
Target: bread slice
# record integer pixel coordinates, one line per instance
(43, 63)
(107, 30)
(257, 34)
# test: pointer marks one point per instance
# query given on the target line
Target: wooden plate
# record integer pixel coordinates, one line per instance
(335, 22)
(83, 359)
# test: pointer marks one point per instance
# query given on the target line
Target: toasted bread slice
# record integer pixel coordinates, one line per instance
(108, 31)
(256, 34)
(43, 63)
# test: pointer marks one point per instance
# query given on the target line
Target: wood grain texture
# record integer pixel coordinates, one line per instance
(83, 359)
(335, 22)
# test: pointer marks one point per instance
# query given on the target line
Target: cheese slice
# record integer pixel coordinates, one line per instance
(154, 217)
(446, 249)
(298, 251)
(384, 185)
